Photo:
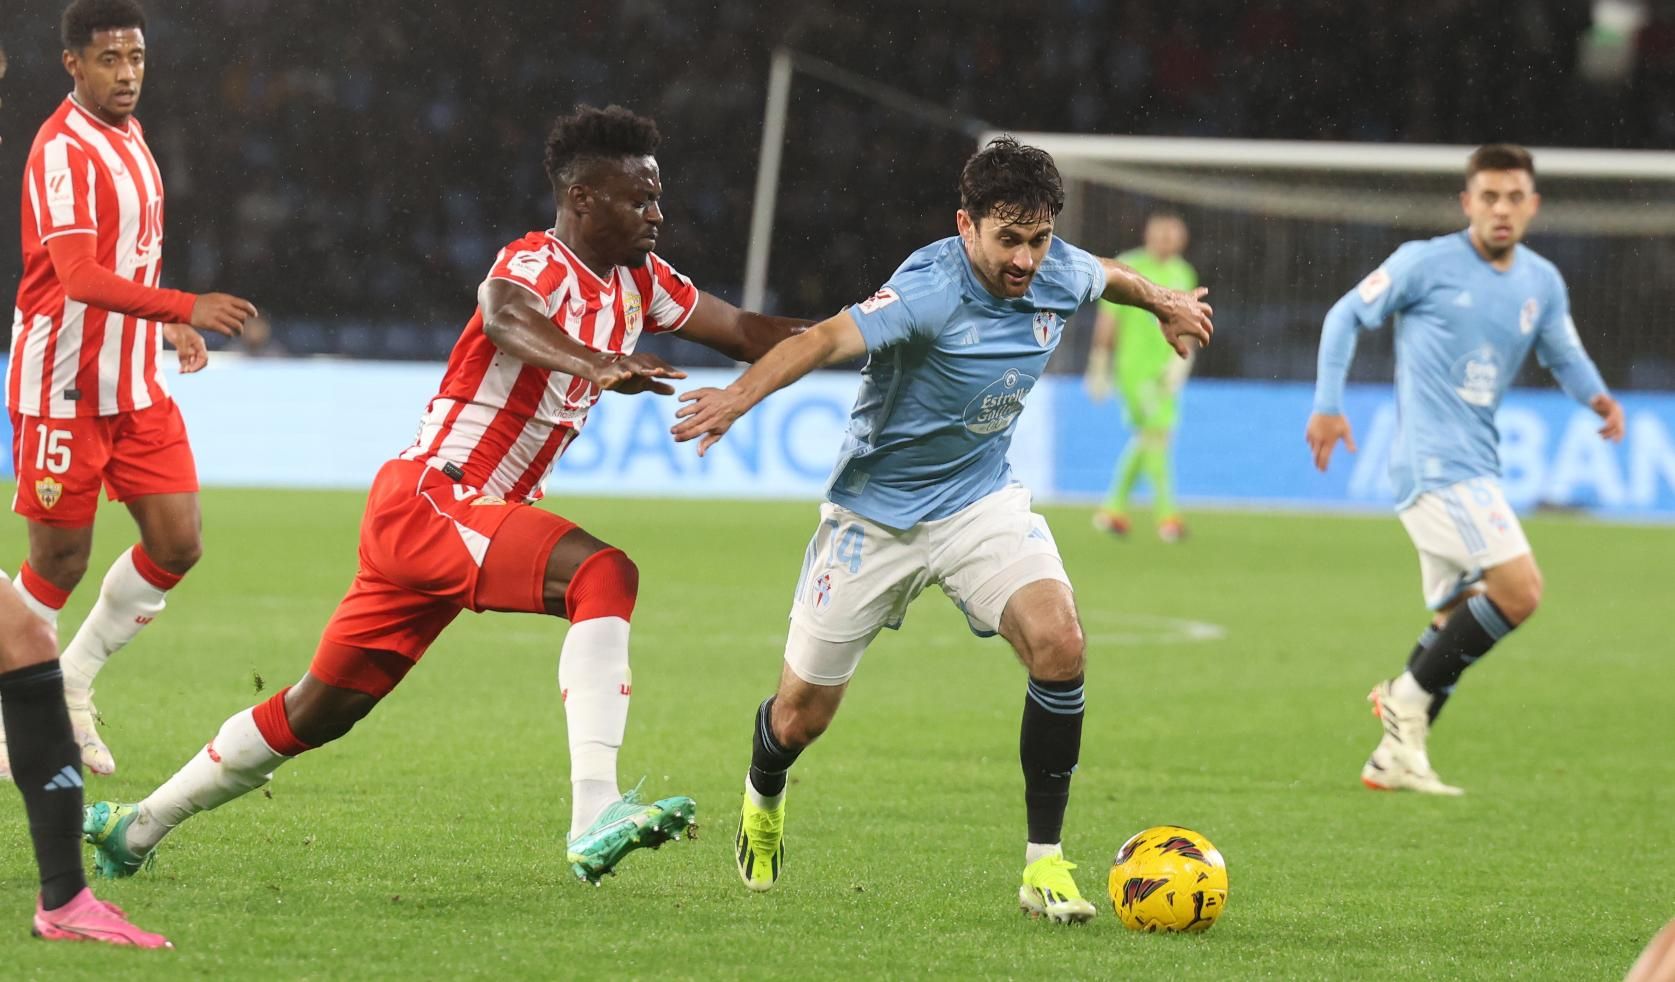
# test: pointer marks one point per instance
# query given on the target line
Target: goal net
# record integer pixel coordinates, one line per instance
(1281, 229)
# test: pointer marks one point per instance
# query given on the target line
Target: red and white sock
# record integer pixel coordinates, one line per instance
(241, 758)
(42, 598)
(594, 678)
(130, 597)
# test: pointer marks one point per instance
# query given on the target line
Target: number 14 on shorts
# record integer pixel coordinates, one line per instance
(848, 545)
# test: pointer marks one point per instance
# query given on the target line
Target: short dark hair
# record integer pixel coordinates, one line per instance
(1011, 183)
(591, 134)
(83, 18)
(1500, 156)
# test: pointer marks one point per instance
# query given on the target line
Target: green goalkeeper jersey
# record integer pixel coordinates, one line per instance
(1142, 354)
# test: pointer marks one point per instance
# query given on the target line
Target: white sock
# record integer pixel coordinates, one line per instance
(594, 679)
(1035, 850)
(1406, 689)
(41, 610)
(127, 602)
(238, 760)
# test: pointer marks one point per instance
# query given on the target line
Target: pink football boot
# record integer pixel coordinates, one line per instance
(87, 918)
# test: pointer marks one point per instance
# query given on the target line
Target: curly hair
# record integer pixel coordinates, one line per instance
(83, 18)
(1011, 183)
(590, 135)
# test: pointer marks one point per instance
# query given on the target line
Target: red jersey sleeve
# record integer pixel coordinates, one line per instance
(534, 266)
(83, 279)
(61, 189)
(673, 297)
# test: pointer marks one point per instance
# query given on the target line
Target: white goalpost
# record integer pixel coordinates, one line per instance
(1280, 229)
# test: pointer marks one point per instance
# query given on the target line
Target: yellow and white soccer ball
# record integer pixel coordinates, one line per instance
(1168, 879)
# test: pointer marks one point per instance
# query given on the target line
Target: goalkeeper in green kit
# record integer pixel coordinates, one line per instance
(1149, 376)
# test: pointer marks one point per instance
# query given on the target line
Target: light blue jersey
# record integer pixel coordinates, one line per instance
(949, 370)
(1463, 330)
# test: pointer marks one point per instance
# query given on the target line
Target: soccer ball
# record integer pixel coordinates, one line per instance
(1168, 879)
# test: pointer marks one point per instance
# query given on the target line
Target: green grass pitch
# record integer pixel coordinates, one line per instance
(1225, 687)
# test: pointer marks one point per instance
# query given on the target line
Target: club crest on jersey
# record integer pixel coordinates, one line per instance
(1527, 316)
(631, 313)
(48, 491)
(1044, 323)
(878, 301)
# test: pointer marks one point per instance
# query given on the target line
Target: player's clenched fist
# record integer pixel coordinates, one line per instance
(1324, 432)
(638, 373)
(222, 313)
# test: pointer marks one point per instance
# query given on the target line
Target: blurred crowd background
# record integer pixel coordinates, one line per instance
(354, 167)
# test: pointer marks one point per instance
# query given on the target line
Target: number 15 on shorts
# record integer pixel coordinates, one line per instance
(52, 449)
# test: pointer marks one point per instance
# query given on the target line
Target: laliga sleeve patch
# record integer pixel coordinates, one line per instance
(61, 196)
(1374, 285)
(878, 301)
(526, 266)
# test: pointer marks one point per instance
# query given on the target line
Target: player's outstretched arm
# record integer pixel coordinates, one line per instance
(742, 335)
(709, 413)
(1183, 316)
(515, 322)
(1327, 424)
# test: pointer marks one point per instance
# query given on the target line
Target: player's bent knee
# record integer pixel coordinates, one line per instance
(178, 557)
(800, 718)
(606, 584)
(1058, 653)
(62, 566)
(316, 713)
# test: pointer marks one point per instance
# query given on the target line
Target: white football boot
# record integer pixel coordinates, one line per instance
(1399, 762)
(84, 720)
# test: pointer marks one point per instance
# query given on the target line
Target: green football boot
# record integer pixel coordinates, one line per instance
(625, 826)
(761, 844)
(105, 825)
(1049, 891)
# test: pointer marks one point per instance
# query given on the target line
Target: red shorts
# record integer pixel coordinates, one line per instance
(60, 463)
(431, 548)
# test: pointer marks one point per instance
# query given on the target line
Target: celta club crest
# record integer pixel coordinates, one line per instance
(1044, 323)
(1526, 316)
(48, 491)
(823, 590)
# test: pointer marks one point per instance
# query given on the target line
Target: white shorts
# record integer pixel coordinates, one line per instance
(1460, 531)
(859, 576)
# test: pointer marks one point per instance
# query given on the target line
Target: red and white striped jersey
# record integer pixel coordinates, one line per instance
(68, 359)
(503, 423)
